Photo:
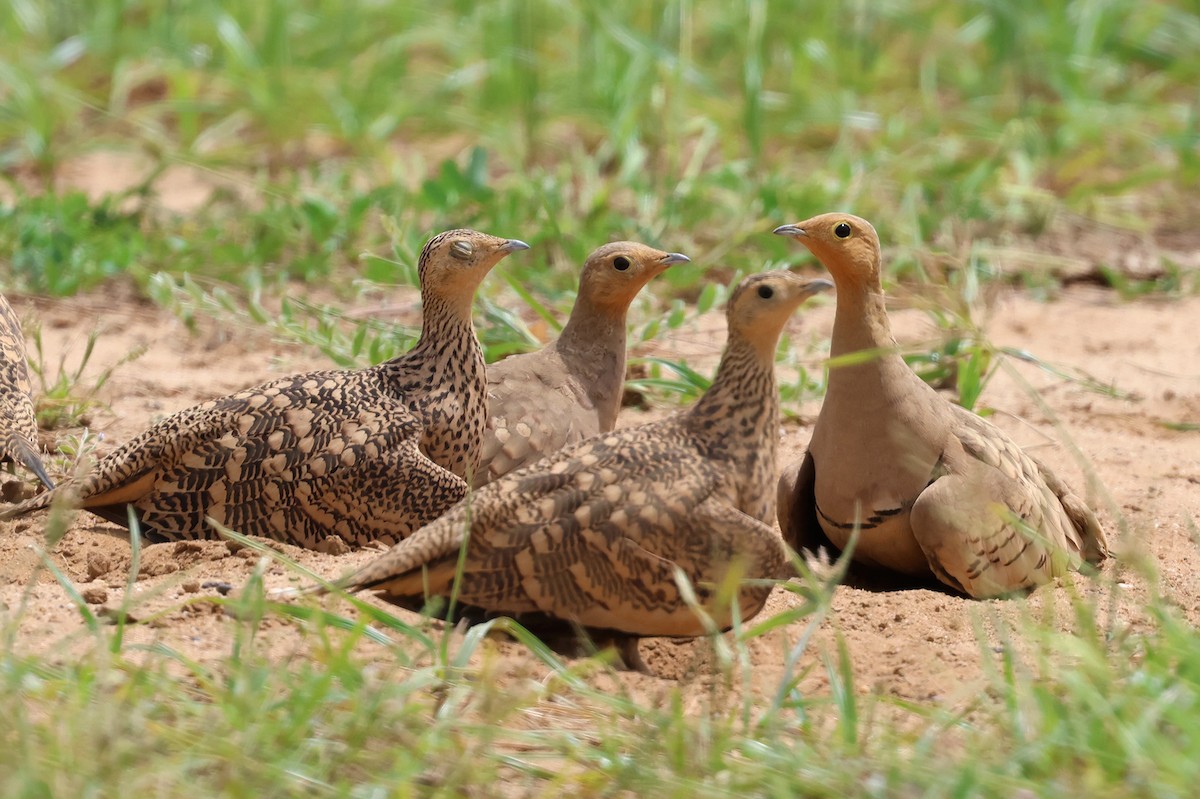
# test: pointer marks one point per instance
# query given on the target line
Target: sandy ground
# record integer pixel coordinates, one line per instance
(915, 644)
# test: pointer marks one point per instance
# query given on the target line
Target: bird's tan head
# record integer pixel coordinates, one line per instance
(845, 244)
(615, 273)
(455, 262)
(761, 304)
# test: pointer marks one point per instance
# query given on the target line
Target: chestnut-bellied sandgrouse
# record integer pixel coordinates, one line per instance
(539, 402)
(18, 424)
(932, 488)
(595, 533)
(357, 455)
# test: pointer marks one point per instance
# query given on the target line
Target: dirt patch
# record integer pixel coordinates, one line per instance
(919, 644)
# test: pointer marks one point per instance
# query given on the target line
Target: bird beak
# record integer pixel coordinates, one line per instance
(817, 286)
(513, 245)
(674, 258)
(793, 231)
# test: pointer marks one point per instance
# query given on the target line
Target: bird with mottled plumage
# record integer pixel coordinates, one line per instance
(595, 533)
(539, 402)
(322, 459)
(18, 424)
(931, 488)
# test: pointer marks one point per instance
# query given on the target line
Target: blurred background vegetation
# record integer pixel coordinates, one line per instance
(335, 128)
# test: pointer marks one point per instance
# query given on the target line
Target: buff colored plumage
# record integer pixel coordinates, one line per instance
(594, 533)
(933, 488)
(539, 402)
(322, 459)
(18, 425)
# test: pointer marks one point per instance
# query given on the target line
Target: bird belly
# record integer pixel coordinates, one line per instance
(884, 540)
(868, 474)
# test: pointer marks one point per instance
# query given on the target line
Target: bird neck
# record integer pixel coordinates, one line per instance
(593, 322)
(738, 419)
(862, 391)
(446, 354)
(592, 345)
(443, 382)
(744, 385)
(861, 322)
(444, 314)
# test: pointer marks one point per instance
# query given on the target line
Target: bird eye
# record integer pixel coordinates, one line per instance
(462, 249)
(621, 263)
(842, 230)
(766, 292)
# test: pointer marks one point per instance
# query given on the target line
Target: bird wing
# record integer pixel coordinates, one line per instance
(583, 485)
(532, 412)
(603, 579)
(246, 460)
(592, 535)
(991, 522)
(130, 473)
(381, 499)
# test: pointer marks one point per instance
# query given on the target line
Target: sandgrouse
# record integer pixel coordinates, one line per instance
(539, 402)
(593, 534)
(932, 487)
(18, 425)
(360, 455)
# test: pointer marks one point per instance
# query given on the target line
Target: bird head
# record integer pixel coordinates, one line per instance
(615, 273)
(456, 261)
(761, 304)
(846, 245)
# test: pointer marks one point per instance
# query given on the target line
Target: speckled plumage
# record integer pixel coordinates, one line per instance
(357, 455)
(593, 534)
(933, 488)
(18, 424)
(539, 402)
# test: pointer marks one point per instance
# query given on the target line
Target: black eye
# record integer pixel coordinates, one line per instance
(621, 263)
(842, 230)
(766, 292)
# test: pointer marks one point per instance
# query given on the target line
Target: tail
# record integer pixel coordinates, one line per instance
(1093, 542)
(22, 449)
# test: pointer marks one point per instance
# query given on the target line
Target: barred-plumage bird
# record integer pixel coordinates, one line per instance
(933, 488)
(18, 424)
(594, 533)
(539, 402)
(357, 455)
